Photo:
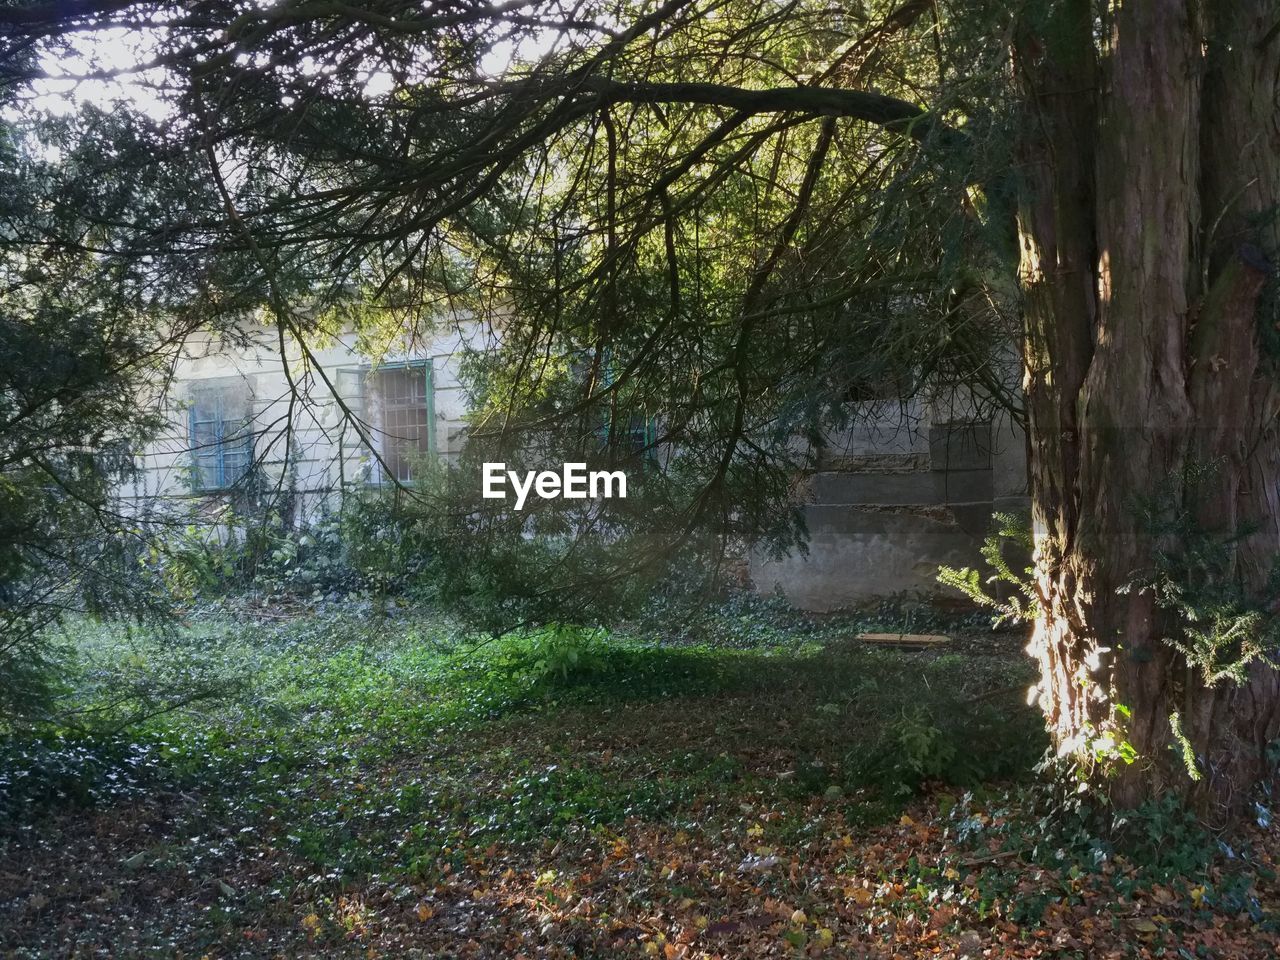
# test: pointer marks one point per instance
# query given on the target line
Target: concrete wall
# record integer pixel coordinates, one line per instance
(903, 492)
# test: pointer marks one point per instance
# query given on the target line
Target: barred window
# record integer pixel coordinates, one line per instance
(404, 398)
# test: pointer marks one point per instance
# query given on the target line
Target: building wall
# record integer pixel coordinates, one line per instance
(910, 487)
(328, 451)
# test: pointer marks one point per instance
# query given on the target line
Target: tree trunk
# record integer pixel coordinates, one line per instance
(1150, 175)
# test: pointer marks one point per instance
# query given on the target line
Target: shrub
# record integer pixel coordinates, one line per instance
(942, 739)
(559, 653)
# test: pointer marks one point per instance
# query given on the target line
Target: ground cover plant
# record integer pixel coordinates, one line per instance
(392, 787)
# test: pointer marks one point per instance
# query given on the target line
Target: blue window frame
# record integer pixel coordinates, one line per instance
(221, 442)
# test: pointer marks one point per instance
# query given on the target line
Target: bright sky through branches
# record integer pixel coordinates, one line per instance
(102, 68)
(116, 65)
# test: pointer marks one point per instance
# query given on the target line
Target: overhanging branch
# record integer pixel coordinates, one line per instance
(889, 112)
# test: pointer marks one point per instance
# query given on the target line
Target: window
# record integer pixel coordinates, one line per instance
(633, 436)
(404, 398)
(221, 442)
(877, 387)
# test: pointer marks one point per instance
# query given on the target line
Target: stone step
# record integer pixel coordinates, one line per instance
(953, 486)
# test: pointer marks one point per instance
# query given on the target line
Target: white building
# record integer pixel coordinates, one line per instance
(343, 419)
(911, 486)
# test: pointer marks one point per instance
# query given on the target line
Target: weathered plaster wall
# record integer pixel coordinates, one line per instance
(890, 503)
(327, 450)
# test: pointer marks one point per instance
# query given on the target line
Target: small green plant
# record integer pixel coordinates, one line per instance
(1011, 533)
(941, 741)
(1226, 626)
(560, 653)
(926, 751)
(1224, 630)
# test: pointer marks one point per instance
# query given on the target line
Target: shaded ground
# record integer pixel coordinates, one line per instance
(375, 792)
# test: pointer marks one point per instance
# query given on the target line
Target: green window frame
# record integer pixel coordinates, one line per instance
(406, 428)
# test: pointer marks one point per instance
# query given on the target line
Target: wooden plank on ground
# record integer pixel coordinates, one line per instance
(912, 640)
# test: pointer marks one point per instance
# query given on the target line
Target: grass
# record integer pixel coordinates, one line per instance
(325, 693)
(331, 753)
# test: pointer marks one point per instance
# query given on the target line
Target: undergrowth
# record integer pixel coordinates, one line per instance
(314, 693)
(398, 752)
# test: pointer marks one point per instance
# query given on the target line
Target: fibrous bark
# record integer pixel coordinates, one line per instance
(1147, 227)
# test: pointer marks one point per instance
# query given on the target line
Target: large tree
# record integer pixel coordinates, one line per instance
(732, 213)
(1148, 237)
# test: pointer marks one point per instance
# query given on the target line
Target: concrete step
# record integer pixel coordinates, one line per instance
(952, 486)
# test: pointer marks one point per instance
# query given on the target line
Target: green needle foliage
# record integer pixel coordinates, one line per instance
(94, 309)
(1011, 537)
(701, 233)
